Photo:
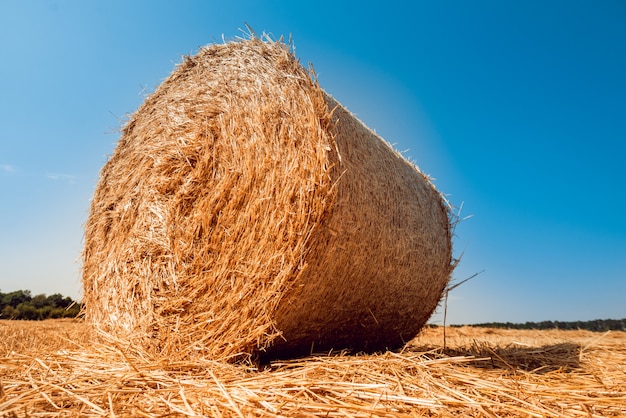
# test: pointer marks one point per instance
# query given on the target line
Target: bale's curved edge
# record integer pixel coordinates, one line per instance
(244, 210)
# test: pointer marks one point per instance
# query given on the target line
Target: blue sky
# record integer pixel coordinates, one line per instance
(516, 108)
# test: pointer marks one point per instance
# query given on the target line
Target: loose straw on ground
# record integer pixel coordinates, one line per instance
(587, 380)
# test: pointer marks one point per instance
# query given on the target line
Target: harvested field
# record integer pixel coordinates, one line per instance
(47, 369)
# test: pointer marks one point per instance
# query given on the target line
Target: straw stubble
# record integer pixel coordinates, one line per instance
(484, 374)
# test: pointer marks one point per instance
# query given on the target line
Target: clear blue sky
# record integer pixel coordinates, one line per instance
(517, 108)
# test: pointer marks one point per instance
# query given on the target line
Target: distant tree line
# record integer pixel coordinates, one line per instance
(21, 305)
(595, 325)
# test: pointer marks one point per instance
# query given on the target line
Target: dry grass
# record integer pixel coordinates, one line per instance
(48, 369)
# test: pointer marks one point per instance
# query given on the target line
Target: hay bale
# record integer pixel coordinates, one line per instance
(244, 209)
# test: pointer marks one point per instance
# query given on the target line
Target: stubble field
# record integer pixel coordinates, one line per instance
(51, 368)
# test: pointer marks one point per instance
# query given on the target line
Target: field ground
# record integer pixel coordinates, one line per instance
(50, 368)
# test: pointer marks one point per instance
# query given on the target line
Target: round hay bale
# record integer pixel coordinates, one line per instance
(244, 210)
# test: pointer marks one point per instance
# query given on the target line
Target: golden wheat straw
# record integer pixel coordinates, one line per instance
(246, 212)
(49, 379)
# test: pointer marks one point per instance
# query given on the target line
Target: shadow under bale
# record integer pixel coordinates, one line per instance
(540, 359)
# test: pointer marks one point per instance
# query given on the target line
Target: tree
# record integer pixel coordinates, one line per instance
(27, 311)
(17, 297)
(21, 305)
(56, 300)
(39, 301)
(8, 312)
